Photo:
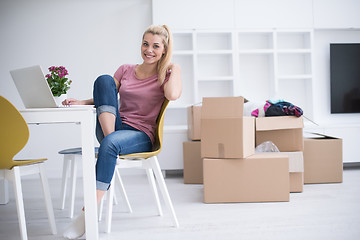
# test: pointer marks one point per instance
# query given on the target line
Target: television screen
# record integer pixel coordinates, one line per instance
(345, 77)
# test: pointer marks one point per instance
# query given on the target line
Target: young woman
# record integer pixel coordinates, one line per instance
(131, 127)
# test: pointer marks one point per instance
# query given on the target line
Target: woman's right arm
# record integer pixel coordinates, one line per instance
(73, 101)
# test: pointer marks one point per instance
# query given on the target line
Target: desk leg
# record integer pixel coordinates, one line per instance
(88, 156)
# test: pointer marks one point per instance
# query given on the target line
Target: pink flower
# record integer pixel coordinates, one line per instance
(55, 80)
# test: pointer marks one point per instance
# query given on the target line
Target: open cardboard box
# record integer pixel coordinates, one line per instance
(286, 132)
(225, 132)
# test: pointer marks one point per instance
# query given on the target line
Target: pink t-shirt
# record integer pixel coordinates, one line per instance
(140, 99)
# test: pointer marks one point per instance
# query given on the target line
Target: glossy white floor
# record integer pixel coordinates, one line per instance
(322, 211)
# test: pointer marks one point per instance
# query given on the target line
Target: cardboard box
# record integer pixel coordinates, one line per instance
(258, 178)
(323, 162)
(193, 164)
(296, 169)
(227, 137)
(222, 107)
(296, 182)
(225, 132)
(286, 132)
(296, 161)
(193, 121)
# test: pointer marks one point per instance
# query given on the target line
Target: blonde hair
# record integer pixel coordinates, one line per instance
(164, 32)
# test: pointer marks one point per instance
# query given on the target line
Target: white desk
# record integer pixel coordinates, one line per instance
(86, 118)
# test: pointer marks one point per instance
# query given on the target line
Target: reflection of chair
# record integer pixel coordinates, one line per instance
(149, 162)
(14, 136)
(71, 157)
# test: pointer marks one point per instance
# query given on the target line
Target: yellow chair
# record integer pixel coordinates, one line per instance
(14, 136)
(149, 162)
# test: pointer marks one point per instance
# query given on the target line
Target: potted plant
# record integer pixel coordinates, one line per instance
(58, 82)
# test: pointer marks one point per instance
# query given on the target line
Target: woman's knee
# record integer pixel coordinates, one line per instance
(108, 145)
(104, 80)
(105, 92)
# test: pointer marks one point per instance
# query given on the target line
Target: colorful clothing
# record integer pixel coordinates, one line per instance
(278, 108)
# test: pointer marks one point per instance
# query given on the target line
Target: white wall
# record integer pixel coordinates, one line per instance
(88, 37)
(322, 40)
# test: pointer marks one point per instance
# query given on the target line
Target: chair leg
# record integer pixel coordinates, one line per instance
(15, 173)
(151, 179)
(100, 208)
(122, 190)
(64, 180)
(123, 194)
(163, 189)
(47, 197)
(73, 182)
(115, 198)
(109, 209)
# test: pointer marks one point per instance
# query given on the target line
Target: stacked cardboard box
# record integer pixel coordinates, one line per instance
(225, 132)
(296, 170)
(286, 132)
(232, 172)
(193, 119)
(226, 163)
(193, 166)
(257, 178)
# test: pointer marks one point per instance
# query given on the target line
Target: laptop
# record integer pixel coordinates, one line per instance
(34, 89)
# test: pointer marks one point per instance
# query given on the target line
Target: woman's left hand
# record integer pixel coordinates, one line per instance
(173, 87)
(173, 66)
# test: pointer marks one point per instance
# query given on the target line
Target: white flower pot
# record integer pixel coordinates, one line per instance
(60, 99)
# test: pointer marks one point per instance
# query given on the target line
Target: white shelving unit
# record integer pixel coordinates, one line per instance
(257, 64)
(272, 54)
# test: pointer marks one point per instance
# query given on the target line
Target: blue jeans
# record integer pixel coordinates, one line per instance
(124, 140)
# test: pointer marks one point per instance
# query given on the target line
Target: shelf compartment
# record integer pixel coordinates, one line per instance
(210, 65)
(214, 89)
(255, 41)
(183, 42)
(293, 40)
(294, 64)
(214, 41)
(175, 116)
(256, 77)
